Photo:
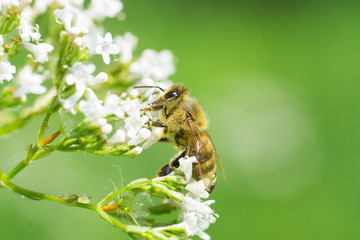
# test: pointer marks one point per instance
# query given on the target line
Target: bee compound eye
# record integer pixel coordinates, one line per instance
(171, 94)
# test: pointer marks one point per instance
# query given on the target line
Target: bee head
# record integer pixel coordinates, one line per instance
(175, 92)
(170, 97)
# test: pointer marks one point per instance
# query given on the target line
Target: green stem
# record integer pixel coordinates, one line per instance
(2, 176)
(42, 196)
(29, 154)
(110, 219)
(17, 169)
(46, 120)
(131, 186)
(113, 194)
(31, 151)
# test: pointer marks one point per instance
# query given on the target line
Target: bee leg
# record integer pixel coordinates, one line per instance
(164, 139)
(158, 124)
(175, 163)
(165, 170)
(154, 108)
(168, 168)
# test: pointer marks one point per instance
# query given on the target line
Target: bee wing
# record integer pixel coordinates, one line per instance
(217, 156)
(198, 144)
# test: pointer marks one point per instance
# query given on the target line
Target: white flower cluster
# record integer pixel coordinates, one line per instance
(196, 214)
(154, 65)
(6, 4)
(30, 37)
(130, 127)
(6, 71)
(130, 124)
(27, 80)
(29, 83)
(81, 76)
(80, 22)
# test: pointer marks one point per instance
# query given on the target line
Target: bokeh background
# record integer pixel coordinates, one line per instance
(279, 81)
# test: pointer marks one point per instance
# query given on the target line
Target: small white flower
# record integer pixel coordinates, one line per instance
(40, 6)
(6, 71)
(186, 165)
(118, 137)
(111, 104)
(99, 9)
(90, 39)
(5, 4)
(29, 83)
(66, 16)
(81, 76)
(135, 151)
(101, 78)
(40, 51)
(105, 127)
(155, 65)
(105, 47)
(195, 226)
(143, 134)
(197, 216)
(127, 44)
(75, 3)
(134, 124)
(70, 102)
(93, 110)
(28, 32)
(156, 135)
(79, 41)
(133, 93)
(196, 189)
(1, 40)
(135, 121)
(91, 107)
(74, 20)
(147, 82)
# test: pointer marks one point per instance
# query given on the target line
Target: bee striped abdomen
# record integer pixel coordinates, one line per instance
(206, 170)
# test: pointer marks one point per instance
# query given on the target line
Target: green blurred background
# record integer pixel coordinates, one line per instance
(279, 81)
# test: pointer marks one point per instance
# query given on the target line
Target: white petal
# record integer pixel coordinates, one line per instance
(106, 58)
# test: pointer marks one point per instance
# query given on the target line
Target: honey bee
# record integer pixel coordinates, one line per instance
(184, 123)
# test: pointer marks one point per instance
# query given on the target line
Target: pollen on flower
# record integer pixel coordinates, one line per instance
(28, 32)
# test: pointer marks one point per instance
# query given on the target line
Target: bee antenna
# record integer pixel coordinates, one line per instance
(150, 87)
